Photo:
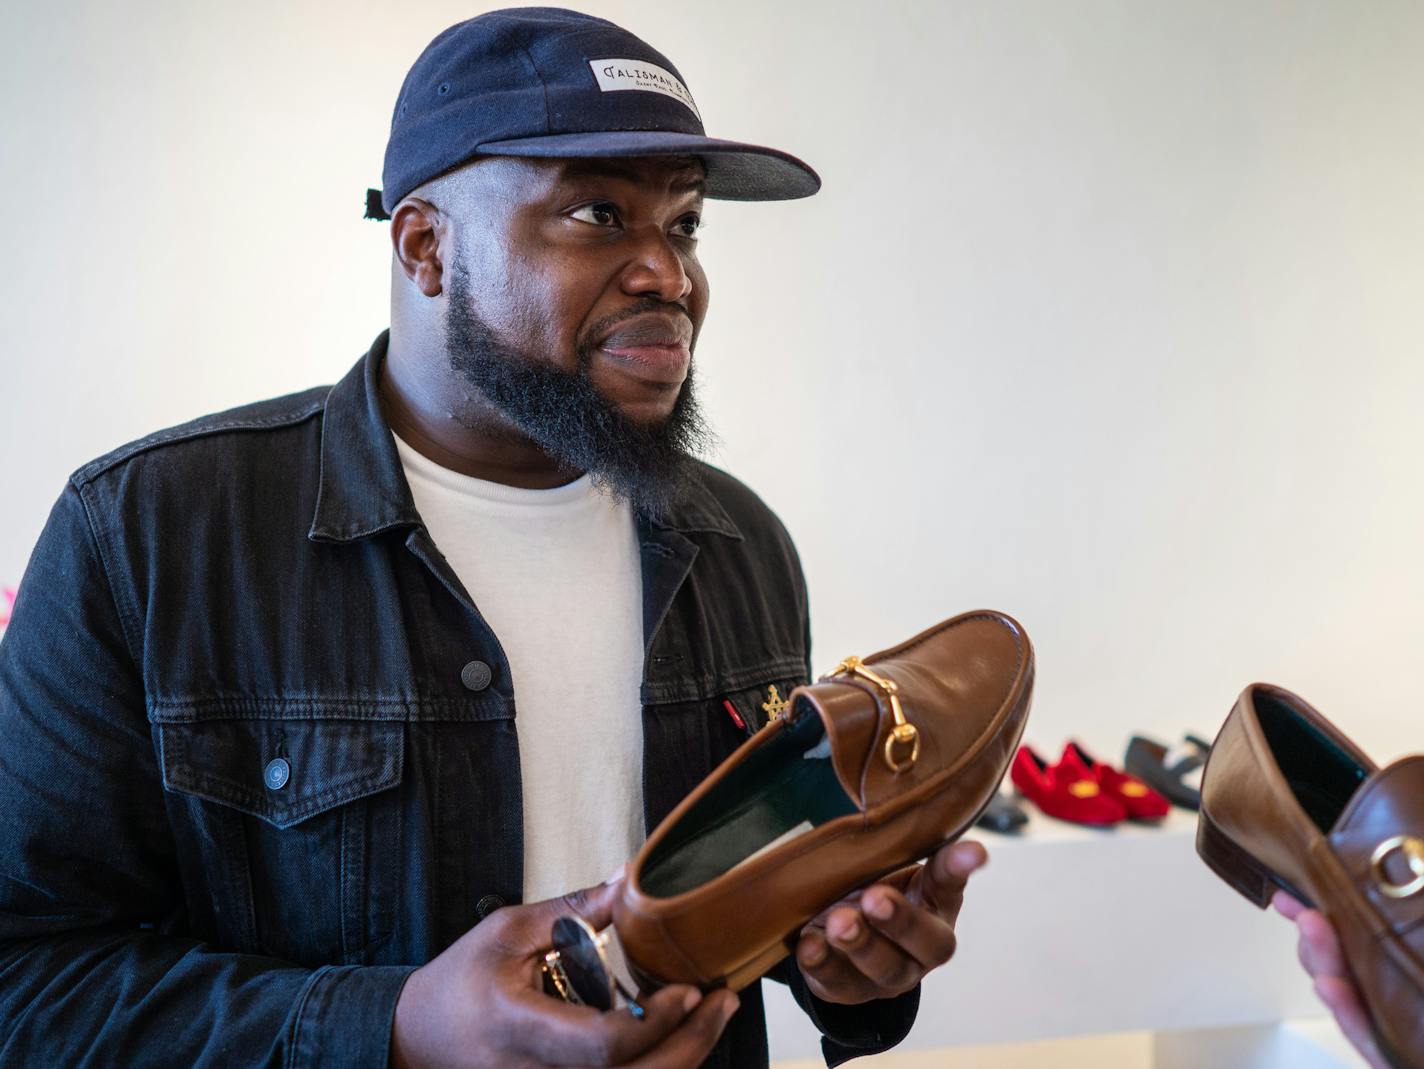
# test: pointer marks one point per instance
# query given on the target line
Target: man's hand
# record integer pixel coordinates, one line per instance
(481, 1004)
(880, 941)
(1323, 959)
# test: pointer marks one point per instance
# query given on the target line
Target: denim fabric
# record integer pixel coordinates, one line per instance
(245, 783)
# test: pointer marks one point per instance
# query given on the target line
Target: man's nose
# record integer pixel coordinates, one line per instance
(656, 269)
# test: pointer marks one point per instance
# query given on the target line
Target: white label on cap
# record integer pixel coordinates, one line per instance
(615, 75)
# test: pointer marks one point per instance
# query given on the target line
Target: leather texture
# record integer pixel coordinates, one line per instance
(965, 684)
(1288, 801)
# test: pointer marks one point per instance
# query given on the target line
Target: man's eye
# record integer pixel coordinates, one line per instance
(602, 214)
(689, 225)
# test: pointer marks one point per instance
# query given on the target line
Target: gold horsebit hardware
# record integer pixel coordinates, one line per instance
(903, 733)
(1413, 851)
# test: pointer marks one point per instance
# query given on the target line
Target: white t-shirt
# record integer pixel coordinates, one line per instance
(557, 575)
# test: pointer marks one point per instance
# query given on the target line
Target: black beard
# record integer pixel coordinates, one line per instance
(561, 411)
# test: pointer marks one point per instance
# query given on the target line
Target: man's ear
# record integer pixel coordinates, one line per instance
(417, 227)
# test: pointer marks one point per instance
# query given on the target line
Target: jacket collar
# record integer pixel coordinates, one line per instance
(362, 489)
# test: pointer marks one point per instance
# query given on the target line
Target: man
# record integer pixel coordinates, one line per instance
(302, 696)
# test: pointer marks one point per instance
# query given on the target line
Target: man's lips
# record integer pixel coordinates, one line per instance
(652, 363)
(655, 348)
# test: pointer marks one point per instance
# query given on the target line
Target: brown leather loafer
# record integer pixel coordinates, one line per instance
(1288, 801)
(871, 768)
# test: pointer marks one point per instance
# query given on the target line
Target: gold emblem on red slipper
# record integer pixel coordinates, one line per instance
(1133, 790)
(1083, 789)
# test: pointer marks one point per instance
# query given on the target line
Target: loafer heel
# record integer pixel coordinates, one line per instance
(1252, 880)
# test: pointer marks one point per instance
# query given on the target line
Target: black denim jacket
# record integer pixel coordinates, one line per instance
(257, 745)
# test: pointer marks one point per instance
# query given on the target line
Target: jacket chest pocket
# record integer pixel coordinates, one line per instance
(288, 829)
(685, 740)
(759, 704)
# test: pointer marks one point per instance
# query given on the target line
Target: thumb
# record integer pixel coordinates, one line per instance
(944, 875)
(593, 904)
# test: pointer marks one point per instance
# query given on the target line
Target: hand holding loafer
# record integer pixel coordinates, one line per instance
(479, 1003)
(1289, 802)
(882, 941)
(876, 765)
(1324, 961)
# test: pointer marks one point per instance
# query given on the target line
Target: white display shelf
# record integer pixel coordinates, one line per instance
(1071, 931)
(1308, 1044)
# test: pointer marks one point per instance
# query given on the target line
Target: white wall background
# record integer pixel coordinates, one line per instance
(1109, 314)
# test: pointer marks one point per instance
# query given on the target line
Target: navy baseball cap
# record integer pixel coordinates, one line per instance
(546, 82)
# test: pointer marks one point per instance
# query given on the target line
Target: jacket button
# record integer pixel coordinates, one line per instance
(488, 905)
(276, 774)
(476, 675)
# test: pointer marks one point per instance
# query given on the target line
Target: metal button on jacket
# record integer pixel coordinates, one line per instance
(487, 905)
(276, 774)
(476, 675)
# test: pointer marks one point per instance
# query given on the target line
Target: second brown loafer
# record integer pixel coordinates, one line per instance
(1288, 801)
(871, 768)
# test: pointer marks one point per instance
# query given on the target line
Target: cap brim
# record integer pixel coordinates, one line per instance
(735, 171)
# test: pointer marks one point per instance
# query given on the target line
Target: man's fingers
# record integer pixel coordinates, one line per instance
(593, 904)
(924, 935)
(688, 1046)
(559, 1033)
(1324, 959)
(1319, 940)
(812, 950)
(966, 856)
(1288, 906)
(1340, 998)
(940, 885)
(828, 972)
(886, 965)
(1320, 950)
(902, 880)
(530, 927)
(883, 939)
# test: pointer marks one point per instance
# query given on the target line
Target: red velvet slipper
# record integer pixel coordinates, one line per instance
(1140, 800)
(1066, 793)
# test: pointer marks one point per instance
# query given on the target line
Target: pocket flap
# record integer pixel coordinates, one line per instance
(327, 763)
(760, 704)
